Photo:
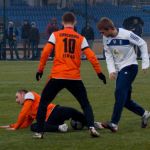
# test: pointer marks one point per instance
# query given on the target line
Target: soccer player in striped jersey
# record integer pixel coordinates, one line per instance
(65, 72)
(123, 66)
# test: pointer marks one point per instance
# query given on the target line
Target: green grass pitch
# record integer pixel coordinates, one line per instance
(21, 74)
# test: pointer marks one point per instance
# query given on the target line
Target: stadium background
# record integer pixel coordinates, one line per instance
(21, 74)
(41, 11)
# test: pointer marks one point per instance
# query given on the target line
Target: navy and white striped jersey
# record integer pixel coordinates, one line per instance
(119, 50)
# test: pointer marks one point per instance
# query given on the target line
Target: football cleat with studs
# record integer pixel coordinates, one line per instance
(145, 118)
(111, 126)
(93, 132)
(38, 135)
(98, 125)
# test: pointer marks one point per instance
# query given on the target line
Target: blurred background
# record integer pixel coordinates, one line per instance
(25, 25)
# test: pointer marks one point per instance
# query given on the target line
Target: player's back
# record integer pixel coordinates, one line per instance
(68, 45)
(35, 104)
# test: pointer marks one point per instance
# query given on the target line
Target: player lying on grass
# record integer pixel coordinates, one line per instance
(55, 116)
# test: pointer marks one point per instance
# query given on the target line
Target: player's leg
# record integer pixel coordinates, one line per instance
(133, 106)
(123, 84)
(49, 92)
(50, 128)
(24, 48)
(33, 49)
(28, 48)
(123, 89)
(76, 115)
(78, 90)
(137, 109)
(120, 99)
(11, 49)
(16, 49)
(62, 113)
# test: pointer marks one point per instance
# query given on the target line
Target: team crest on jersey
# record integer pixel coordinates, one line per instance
(117, 53)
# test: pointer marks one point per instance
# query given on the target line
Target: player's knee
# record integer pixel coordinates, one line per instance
(121, 91)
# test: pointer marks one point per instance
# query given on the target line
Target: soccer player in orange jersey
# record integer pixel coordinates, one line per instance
(55, 117)
(65, 73)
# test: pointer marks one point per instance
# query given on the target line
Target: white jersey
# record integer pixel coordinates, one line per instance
(119, 50)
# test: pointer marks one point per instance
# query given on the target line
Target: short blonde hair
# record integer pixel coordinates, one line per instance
(105, 24)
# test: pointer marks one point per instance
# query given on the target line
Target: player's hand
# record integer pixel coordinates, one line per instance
(10, 129)
(102, 77)
(4, 127)
(113, 76)
(39, 75)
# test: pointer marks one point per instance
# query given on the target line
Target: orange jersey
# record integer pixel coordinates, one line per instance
(29, 110)
(68, 46)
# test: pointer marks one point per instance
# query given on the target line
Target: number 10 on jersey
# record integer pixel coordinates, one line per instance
(69, 45)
